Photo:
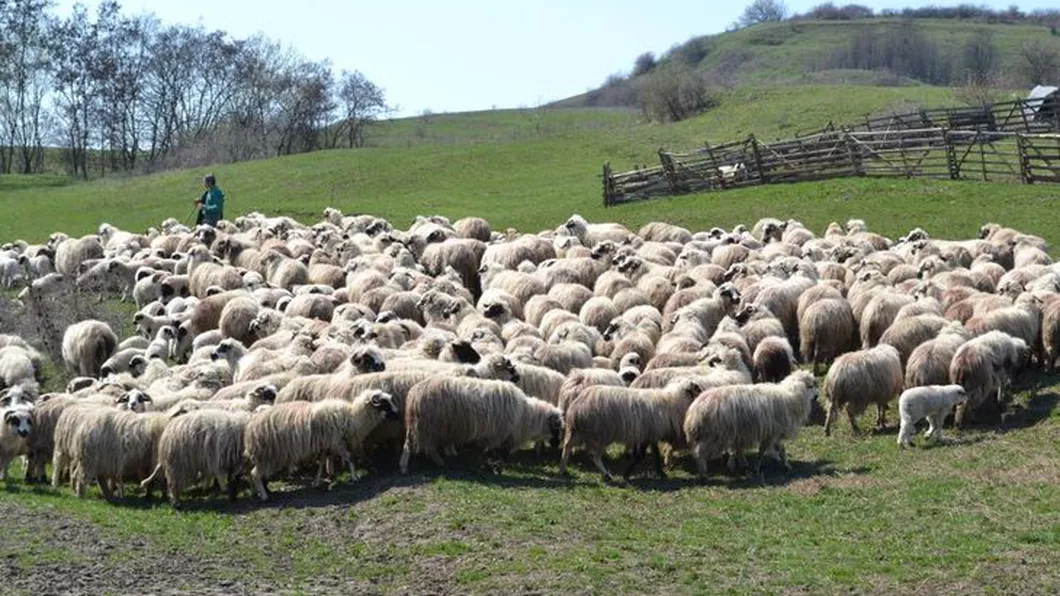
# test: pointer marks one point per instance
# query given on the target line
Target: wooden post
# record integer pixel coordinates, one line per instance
(608, 185)
(758, 161)
(669, 171)
(1025, 160)
(982, 153)
(853, 154)
(951, 157)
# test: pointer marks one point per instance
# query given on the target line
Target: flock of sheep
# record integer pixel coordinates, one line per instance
(265, 345)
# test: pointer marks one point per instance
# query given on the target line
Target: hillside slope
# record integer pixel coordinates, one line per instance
(802, 52)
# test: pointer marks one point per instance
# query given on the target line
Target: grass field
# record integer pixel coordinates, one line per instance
(981, 514)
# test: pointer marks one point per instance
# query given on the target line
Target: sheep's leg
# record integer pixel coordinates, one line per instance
(259, 483)
(104, 487)
(701, 459)
(565, 457)
(833, 413)
(436, 457)
(638, 456)
(232, 485)
(406, 454)
(780, 453)
(450, 451)
(58, 462)
(853, 422)
(660, 467)
(959, 416)
(320, 472)
(881, 416)
(598, 461)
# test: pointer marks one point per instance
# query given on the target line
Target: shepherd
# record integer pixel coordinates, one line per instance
(211, 204)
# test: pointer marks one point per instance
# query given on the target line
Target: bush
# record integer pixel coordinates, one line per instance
(691, 52)
(643, 64)
(672, 94)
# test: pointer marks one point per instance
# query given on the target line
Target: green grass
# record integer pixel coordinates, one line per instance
(855, 514)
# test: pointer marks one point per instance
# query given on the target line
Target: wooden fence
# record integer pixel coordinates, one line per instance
(1017, 141)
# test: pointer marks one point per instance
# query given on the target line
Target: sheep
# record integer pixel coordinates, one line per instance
(983, 366)
(773, 360)
(86, 346)
(861, 378)
(15, 431)
(202, 445)
(446, 412)
(827, 329)
(757, 323)
(18, 370)
(879, 314)
(929, 363)
(592, 234)
(88, 445)
(739, 417)
(637, 418)
(934, 402)
(259, 394)
(42, 440)
(579, 379)
(291, 433)
(236, 317)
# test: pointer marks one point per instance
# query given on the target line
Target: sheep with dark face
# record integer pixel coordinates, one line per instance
(292, 433)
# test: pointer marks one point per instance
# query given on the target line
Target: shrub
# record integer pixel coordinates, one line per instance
(643, 64)
(673, 94)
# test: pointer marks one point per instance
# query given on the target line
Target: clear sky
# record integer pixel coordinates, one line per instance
(459, 55)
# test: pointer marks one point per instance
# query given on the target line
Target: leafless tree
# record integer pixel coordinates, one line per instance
(1041, 62)
(763, 11)
(362, 103)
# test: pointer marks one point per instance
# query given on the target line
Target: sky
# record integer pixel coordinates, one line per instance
(463, 55)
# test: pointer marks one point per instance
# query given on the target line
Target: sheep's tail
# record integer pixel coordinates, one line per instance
(154, 475)
(104, 347)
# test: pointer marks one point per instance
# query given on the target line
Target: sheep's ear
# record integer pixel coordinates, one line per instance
(470, 372)
(146, 398)
(9, 416)
(124, 399)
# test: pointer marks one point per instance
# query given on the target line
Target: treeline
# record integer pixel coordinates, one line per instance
(115, 92)
(964, 12)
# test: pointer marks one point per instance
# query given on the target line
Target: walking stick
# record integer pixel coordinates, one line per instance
(187, 220)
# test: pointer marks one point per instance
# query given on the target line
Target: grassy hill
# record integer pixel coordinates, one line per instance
(803, 52)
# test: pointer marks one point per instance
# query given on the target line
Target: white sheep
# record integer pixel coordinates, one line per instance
(288, 434)
(200, 445)
(87, 345)
(934, 402)
(740, 417)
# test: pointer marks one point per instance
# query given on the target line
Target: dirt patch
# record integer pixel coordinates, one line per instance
(50, 553)
(809, 487)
